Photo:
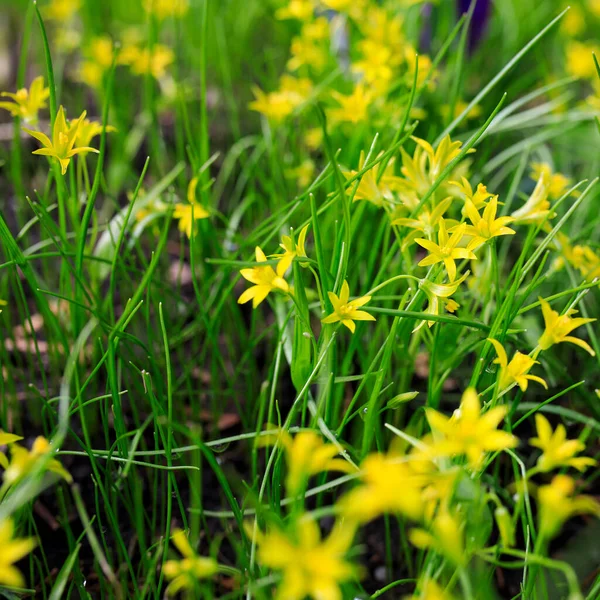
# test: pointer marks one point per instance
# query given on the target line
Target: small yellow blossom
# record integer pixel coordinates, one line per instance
(88, 130)
(292, 250)
(444, 536)
(265, 280)
(446, 249)
(307, 52)
(426, 70)
(6, 438)
(346, 310)
(425, 223)
(353, 108)
(558, 327)
(517, 371)
(388, 485)
(280, 104)
(376, 66)
(26, 103)
(303, 173)
(573, 23)
(187, 214)
(311, 566)
(163, 9)
(537, 207)
(430, 590)
(313, 138)
(468, 431)
(13, 550)
(99, 54)
(579, 59)
(184, 572)
(148, 61)
(22, 461)
(301, 10)
(487, 226)
(62, 146)
(61, 11)
(557, 450)
(558, 505)
(557, 182)
(478, 198)
(437, 291)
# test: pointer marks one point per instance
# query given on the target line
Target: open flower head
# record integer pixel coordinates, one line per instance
(557, 450)
(444, 535)
(98, 58)
(183, 573)
(265, 280)
(13, 550)
(62, 146)
(281, 103)
(487, 226)
(163, 9)
(424, 223)
(61, 11)
(26, 103)
(292, 249)
(515, 371)
(352, 108)
(558, 327)
(300, 10)
(311, 566)
(88, 130)
(346, 310)
(446, 250)
(469, 432)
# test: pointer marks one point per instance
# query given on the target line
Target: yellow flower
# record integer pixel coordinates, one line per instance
(579, 59)
(573, 22)
(22, 461)
(459, 107)
(13, 550)
(311, 567)
(27, 103)
(62, 146)
(6, 438)
(446, 250)
(369, 188)
(162, 9)
(188, 214)
(485, 227)
(307, 52)
(537, 207)
(425, 222)
(347, 311)
(185, 572)
(353, 108)
(430, 590)
(558, 504)
(478, 197)
(302, 10)
(517, 370)
(88, 130)
(388, 486)
(292, 250)
(144, 61)
(445, 537)
(557, 182)
(557, 450)
(558, 327)
(303, 173)
(469, 432)
(99, 55)
(281, 103)
(61, 10)
(265, 280)
(377, 65)
(435, 291)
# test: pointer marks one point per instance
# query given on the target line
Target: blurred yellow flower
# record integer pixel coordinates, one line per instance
(187, 214)
(557, 182)
(302, 10)
(311, 567)
(573, 23)
(162, 9)
(88, 130)
(6, 438)
(185, 572)
(61, 11)
(303, 173)
(26, 103)
(13, 550)
(308, 52)
(459, 108)
(558, 327)
(537, 207)
(265, 280)
(62, 146)
(99, 55)
(469, 432)
(430, 590)
(444, 536)
(353, 108)
(558, 504)
(517, 371)
(557, 450)
(148, 61)
(446, 249)
(281, 103)
(579, 59)
(346, 310)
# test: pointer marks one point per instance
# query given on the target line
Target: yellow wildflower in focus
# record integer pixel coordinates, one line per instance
(436, 291)
(478, 198)
(557, 182)
(311, 567)
(163, 9)
(468, 431)
(281, 103)
(444, 536)
(292, 250)
(557, 504)
(265, 280)
(26, 103)
(369, 188)
(579, 59)
(537, 207)
(13, 550)
(487, 226)
(425, 222)
(61, 11)
(22, 461)
(301, 10)
(353, 108)
(558, 327)
(149, 61)
(346, 310)
(557, 450)
(517, 371)
(446, 249)
(185, 572)
(62, 146)
(99, 55)
(387, 486)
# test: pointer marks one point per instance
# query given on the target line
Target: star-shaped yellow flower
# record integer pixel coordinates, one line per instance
(62, 146)
(515, 371)
(353, 108)
(13, 550)
(347, 311)
(486, 227)
(292, 250)
(265, 280)
(26, 103)
(446, 249)
(558, 328)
